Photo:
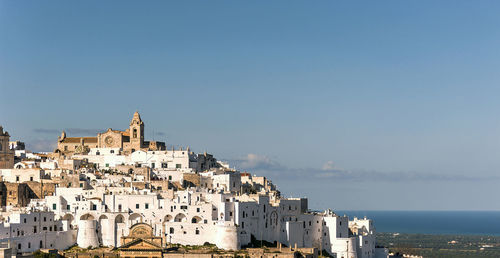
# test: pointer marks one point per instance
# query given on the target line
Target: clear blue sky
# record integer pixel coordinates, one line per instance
(365, 105)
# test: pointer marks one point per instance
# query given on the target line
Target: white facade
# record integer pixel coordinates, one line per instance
(32, 230)
(168, 159)
(22, 175)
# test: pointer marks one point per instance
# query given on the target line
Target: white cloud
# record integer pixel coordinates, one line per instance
(257, 162)
(328, 165)
(271, 168)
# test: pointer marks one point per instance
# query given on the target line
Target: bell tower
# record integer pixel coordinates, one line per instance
(6, 154)
(136, 132)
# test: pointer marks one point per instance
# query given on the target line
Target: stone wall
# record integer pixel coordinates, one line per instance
(18, 194)
(190, 180)
(67, 180)
(139, 185)
(163, 184)
(126, 169)
(40, 190)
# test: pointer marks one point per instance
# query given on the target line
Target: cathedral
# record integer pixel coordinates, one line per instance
(128, 141)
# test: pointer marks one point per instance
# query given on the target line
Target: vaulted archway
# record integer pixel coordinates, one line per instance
(180, 218)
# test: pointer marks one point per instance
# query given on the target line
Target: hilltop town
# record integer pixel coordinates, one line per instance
(138, 198)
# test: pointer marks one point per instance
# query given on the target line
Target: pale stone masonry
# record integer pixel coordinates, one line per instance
(128, 141)
(6, 154)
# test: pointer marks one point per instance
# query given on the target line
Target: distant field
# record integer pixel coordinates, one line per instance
(455, 246)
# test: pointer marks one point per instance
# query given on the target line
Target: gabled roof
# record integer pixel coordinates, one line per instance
(148, 244)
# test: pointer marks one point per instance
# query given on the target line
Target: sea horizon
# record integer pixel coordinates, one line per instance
(437, 222)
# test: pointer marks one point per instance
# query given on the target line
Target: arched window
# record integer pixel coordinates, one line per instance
(135, 133)
(196, 219)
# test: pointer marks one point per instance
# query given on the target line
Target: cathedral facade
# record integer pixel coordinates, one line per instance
(129, 140)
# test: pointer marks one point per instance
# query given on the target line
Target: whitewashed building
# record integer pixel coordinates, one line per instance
(28, 231)
(220, 214)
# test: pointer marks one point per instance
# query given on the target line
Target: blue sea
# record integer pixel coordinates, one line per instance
(433, 222)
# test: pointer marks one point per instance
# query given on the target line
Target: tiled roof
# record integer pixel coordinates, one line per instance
(78, 139)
